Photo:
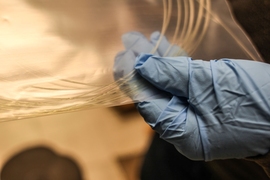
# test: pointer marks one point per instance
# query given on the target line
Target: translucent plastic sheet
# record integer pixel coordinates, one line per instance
(57, 56)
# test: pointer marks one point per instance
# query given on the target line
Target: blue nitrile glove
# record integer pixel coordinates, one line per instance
(219, 109)
(136, 43)
(208, 110)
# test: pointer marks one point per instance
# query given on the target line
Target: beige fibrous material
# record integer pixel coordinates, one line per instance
(52, 94)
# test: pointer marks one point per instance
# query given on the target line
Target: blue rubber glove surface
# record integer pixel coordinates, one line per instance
(219, 109)
(208, 110)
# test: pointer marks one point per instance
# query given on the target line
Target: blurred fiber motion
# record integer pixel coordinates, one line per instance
(58, 56)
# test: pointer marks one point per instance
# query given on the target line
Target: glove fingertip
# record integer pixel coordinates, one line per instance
(155, 36)
(123, 64)
(119, 56)
(130, 38)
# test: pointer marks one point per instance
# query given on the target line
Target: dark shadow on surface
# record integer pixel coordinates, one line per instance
(40, 163)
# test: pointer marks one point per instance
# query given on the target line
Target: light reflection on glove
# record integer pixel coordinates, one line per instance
(216, 110)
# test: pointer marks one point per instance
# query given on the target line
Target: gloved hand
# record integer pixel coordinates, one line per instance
(219, 109)
(208, 110)
(132, 83)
